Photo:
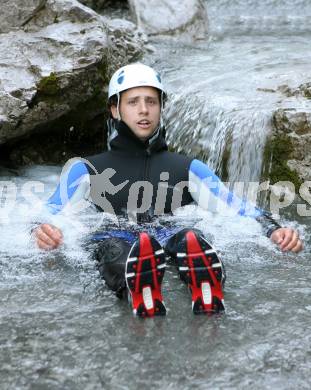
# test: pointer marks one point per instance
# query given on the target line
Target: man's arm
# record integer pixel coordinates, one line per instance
(72, 188)
(206, 188)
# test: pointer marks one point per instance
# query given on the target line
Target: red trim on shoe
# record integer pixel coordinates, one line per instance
(206, 289)
(144, 274)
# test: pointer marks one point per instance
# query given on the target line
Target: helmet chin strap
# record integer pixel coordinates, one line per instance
(112, 131)
(155, 134)
(118, 107)
(162, 109)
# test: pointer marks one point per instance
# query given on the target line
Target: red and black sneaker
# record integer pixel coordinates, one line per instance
(200, 267)
(144, 271)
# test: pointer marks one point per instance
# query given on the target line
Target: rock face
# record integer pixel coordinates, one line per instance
(293, 130)
(181, 18)
(288, 148)
(56, 59)
(15, 13)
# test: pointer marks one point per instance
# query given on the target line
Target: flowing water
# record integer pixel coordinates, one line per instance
(60, 328)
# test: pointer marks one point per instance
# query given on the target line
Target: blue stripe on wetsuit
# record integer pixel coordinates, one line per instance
(67, 187)
(162, 234)
(219, 190)
(128, 236)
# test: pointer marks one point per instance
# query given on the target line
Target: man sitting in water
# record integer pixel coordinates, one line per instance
(134, 262)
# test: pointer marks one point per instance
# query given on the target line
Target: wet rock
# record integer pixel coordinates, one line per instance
(288, 150)
(128, 43)
(180, 18)
(15, 13)
(57, 63)
(269, 90)
(292, 121)
(303, 90)
(285, 90)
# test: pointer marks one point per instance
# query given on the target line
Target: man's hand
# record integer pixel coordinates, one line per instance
(287, 239)
(48, 237)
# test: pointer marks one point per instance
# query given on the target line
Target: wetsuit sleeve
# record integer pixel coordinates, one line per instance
(207, 189)
(73, 187)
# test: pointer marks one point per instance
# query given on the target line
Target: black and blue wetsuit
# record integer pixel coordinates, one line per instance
(142, 180)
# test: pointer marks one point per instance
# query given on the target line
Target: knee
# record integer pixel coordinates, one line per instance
(111, 250)
(111, 255)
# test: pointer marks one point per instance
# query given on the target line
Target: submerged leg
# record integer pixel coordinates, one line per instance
(111, 255)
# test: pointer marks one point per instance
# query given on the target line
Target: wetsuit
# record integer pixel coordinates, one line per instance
(141, 180)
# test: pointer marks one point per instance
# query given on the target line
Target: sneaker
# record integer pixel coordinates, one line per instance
(144, 271)
(200, 267)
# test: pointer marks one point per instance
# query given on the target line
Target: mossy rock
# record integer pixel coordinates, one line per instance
(49, 85)
(104, 73)
(278, 151)
(306, 90)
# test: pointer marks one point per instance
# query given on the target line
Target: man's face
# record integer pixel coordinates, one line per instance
(140, 109)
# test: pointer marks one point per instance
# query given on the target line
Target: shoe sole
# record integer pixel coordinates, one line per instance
(200, 267)
(144, 273)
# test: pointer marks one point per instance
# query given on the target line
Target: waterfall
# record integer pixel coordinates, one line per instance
(231, 141)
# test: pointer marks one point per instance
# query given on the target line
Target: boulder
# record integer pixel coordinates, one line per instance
(292, 129)
(287, 155)
(179, 18)
(56, 59)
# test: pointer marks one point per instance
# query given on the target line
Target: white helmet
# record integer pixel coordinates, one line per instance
(134, 75)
